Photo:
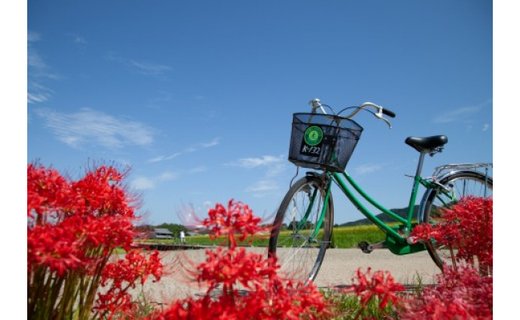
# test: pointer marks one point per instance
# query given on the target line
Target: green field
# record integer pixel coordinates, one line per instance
(343, 237)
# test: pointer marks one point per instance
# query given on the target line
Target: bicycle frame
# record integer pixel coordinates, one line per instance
(396, 237)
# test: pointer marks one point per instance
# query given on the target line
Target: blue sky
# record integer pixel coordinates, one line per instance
(197, 96)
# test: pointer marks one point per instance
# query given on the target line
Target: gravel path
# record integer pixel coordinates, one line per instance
(337, 270)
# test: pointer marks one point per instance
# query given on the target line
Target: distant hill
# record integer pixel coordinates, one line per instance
(401, 212)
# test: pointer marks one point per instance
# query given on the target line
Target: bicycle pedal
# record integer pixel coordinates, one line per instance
(369, 247)
(365, 247)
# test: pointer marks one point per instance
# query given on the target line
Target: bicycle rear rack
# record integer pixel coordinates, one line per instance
(450, 168)
(445, 170)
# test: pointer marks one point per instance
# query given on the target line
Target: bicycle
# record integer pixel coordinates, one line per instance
(302, 227)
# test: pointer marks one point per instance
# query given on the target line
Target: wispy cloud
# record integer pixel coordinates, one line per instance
(142, 183)
(79, 40)
(485, 127)
(38, 72)
(142, 67)
(212, 143)
(461, 114)
(168, 176)
(368, 168)
(37, 67)
(263, 187)
(149, 68)
(190, 149)
(273, 166)
(90, 127)
(198, 169)
(38, 93)
(151, 182)
(262, 161)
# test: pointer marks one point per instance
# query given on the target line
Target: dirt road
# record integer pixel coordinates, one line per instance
(337, 270)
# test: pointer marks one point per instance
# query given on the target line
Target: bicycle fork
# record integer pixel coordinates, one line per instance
(317, 225)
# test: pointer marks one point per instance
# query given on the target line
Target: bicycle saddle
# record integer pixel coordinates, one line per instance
(427, 144)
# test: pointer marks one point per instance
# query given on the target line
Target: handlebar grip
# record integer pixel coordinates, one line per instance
(389, 113)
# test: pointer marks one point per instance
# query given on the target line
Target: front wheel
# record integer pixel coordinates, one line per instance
(456, 186)
(302, 229)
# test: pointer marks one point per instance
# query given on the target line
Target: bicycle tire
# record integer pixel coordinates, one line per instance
(299, 254)
(463, 183)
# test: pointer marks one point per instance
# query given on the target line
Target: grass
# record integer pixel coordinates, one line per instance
(349, 237)
(347, 306)
(342, 237)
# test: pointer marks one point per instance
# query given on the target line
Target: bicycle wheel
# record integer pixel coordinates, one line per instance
(460, 184)
(300, 235)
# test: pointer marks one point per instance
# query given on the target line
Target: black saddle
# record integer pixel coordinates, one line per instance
(427, 144)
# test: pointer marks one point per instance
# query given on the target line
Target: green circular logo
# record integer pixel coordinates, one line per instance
(313, 135)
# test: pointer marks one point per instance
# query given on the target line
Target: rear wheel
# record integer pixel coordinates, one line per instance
(458, 185)
(300, 234)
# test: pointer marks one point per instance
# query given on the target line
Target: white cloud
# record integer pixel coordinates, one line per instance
(250, 163)
(485, 127)
(143, 67)
(263, 187)
(37, 97)
(149, 68)
(38, 70)
(37, 67)
(145, 183)
(273, 166)
(38, 93)
(79, 40)
(368, 168)
(212, 143)
(198, 169)
(460, 114)
(34, 60)
(164, 158)
(190, 149)
(142, 183)
(168, 176)
(88, 127)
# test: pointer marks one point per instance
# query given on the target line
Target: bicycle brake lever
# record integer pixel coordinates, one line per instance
(380, 116)
(387, 122)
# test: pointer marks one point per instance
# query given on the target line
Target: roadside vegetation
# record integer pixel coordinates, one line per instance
(342, 237)
(75, 227)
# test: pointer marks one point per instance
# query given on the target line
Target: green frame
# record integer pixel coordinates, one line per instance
(396, 237)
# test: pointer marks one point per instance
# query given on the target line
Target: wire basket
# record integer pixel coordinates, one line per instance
(321, 141)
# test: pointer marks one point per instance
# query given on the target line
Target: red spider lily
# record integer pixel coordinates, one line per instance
(234, 266)
(47, 190)
(467, 226)
(237, 218)
(267, 296)
(380, 285)
(73, 229)
(461, 293)
(122, 275)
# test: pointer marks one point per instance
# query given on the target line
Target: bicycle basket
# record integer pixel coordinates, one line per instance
(321, 141)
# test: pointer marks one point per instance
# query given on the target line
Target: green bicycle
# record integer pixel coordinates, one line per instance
(302, 228)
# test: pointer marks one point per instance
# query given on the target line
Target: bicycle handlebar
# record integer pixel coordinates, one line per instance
(389, 113)
(378, 112)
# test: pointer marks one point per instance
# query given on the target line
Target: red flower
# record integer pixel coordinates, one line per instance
(467, 226)
(461, 293)
(380, 285)
(125, 274)
(73, 229)
(263, 296)
(237, 218)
